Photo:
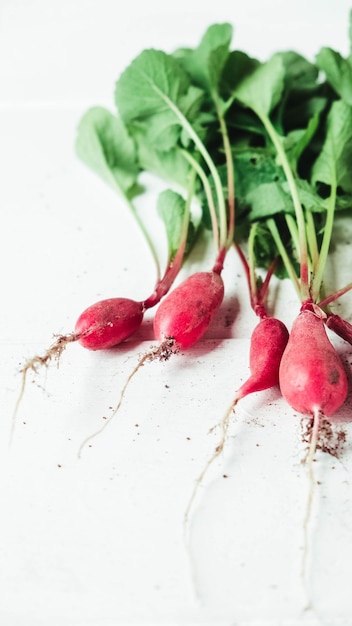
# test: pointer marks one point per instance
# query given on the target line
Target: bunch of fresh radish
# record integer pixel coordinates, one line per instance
(265, 150)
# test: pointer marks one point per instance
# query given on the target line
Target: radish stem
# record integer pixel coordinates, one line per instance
(312, 241)
(283, 253)
(334, 296)
(324, 250)
(208, 160)
(229, 169)
(208, 193)
(303, 255)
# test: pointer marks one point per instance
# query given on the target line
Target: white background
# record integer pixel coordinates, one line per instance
(99, 541)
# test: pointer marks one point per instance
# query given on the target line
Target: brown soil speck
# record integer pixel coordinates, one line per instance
(331, 438)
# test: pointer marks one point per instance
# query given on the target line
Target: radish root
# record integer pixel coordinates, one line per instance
(162, 353)
(53, 353)
(309, 460)
(224, 424)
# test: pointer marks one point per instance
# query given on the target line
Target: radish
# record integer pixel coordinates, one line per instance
(268, 342)
(180, 321)
(312, 378)
(314, 382)
(186, 313)
(107, 323)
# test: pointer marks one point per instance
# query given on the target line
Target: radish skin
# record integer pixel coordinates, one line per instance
(186, 313)
(311, 376)
(107, 323)
(268, 342)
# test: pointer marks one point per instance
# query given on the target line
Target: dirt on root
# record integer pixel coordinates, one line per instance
(331, 438)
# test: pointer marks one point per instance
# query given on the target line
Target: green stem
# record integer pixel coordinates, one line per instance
(251, 261)
(292, 227)
(229, 169)
(208, 160)
(175, 261)
(312, 241)
(283, 253)
(325, 245)
(208, 193)
(303, 255)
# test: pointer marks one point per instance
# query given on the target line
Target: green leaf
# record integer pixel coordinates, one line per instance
(205, 63)
(269, 199)
(239, 65)
(338, 72)
(171, 207)
(253, 167)
(298, 140)
(102, 143)
(273, 198)
(299, 72)
(153, 93)
(301, 108)
(262, 90)
(170, 165)
(333, 165)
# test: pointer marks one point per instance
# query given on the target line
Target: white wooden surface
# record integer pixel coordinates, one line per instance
(99, 541)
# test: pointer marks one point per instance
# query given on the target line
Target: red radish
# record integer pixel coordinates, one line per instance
(180, 321)
(312, 377)
(268, 342)
(314, 382)
(105, 324)
(186, 313)
(108, 322)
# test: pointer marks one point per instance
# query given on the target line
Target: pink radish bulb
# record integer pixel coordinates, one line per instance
(186, 313)
(107, 323)
(268, 342)
(311, 376)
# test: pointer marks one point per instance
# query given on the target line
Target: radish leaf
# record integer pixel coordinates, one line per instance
(104, 145)
(261, 91)
(155, 94)
(338, 72)
(333, 165)
(205, 63)
(171, 207)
